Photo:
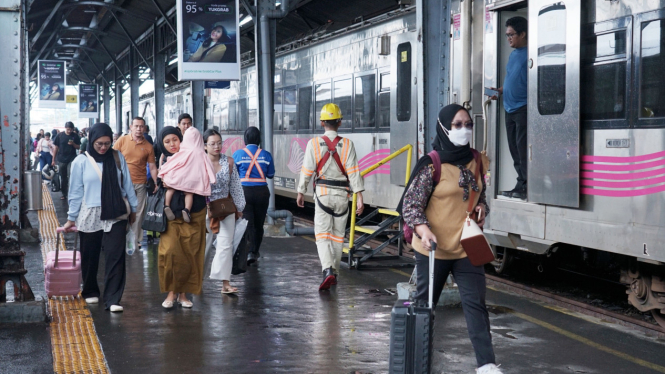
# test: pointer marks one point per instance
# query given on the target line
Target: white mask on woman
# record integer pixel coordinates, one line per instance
(459, 137)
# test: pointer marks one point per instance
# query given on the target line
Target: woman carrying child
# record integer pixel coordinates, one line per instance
(182, 246)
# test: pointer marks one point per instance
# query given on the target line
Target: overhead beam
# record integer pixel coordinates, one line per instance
(46, 22)
(250, 9)
(99, 71)
(131, 40)
(166, 18)
(108, 53)
(111, 8)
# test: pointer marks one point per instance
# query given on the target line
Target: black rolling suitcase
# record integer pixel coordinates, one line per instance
(411, 329)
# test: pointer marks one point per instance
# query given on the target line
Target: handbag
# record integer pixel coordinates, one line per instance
(473, 240)
(155, 219)
(99, 173)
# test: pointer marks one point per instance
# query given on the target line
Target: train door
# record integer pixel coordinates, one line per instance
(553, 129)
(403, 102)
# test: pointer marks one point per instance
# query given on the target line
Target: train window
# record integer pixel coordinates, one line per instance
(277, 120)
(365, 101)
(403, 87)
(612, 44)
(342, 98)
(253, 112)
(652, 85)
(323, 97)
(385, 82)
(233, 120)
(243, 114)
(552, 59)
(304, 108)
(290, 109)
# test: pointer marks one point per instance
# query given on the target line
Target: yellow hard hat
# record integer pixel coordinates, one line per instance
(330, 111)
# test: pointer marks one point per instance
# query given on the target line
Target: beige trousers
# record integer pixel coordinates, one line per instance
(330, 231)
(142, 198)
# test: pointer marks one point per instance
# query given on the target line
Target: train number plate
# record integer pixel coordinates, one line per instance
(617, 143)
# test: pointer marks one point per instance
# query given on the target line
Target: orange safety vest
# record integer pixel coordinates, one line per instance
(251, 166)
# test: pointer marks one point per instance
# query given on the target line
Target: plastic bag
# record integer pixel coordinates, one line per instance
(130, 242)
(241, 226)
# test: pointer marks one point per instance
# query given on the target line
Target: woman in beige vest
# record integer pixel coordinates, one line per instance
(436, 212)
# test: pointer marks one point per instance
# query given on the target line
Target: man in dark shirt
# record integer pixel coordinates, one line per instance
(65, 144)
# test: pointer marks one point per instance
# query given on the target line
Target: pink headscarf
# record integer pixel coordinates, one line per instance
(189, 170)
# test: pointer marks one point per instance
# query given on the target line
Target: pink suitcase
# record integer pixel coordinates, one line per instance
(62, 272)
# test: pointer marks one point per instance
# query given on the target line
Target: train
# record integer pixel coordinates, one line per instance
(595, 133)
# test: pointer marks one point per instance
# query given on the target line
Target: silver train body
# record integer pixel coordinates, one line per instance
(596, 121)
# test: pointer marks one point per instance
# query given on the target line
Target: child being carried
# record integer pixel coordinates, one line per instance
(189, 171)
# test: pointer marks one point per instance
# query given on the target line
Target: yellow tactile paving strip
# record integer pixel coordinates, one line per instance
(74, 341)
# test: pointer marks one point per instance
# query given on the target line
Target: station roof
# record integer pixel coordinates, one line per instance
(97, 36)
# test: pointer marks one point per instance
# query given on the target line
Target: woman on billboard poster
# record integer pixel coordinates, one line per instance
(214, 48)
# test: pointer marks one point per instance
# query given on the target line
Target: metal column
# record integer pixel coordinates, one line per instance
(14, 141)
(134, 84)
(159, 75)
(107, 102)
(198, 104)
(118, 104)
(433, 21)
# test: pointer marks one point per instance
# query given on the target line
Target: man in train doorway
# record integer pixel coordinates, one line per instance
(336, 173)
(514, 93)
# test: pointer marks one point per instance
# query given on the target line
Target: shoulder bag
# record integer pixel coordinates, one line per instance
(224, 207)
(473, 240)
(122, 179)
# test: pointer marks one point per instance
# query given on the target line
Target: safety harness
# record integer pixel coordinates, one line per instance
(332, 151)
(253, 163)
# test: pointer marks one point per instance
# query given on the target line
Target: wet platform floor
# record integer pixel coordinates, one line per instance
(280, 322)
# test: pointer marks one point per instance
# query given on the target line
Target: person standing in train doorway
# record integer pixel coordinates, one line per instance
(333, 163)
(514, 93)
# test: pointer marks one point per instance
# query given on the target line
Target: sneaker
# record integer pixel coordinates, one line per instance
(116, 308)
(488, 369)
(92, 300)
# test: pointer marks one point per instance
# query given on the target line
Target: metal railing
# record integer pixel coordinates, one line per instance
(407, 148)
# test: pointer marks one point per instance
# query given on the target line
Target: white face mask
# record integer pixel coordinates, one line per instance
(459, 137)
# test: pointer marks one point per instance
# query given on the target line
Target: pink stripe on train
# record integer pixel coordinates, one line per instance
(623, 184)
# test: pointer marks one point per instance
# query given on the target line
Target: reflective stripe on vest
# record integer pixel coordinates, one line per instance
(252, 165)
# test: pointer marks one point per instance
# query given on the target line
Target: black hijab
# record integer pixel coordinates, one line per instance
(168, 130)
(448, 152)
(252, 136)
(112, 203)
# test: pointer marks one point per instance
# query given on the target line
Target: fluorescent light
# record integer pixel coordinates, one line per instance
(173, 61)
(245, 20)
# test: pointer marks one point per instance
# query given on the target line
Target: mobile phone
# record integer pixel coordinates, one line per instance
(490, 92)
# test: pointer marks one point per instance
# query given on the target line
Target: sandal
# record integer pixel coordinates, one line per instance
(185, 215)
(169, 213)
(230, 290)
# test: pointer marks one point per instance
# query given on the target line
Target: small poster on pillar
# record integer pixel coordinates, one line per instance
(208, 40)
(51, 83)
(88, 101)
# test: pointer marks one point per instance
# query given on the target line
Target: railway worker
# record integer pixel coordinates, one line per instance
(138, 152)
(254, 165)
(336, 173)
(514, 93)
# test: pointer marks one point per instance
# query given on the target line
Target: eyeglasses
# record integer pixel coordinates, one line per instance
(510, 35)
(100, 145)
(458, 125)
(218, 144)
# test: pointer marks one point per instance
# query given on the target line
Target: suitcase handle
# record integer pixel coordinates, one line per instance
(61, 230)
(430, 290)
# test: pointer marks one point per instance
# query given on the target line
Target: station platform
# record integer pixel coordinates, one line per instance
(279, 322)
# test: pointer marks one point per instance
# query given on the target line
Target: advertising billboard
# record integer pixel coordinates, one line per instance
(88, 101)
(51, 83)
(208, 40)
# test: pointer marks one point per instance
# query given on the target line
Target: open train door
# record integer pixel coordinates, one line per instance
(553, 130)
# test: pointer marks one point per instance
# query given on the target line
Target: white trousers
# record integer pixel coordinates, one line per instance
(330, 231)
(222, 263)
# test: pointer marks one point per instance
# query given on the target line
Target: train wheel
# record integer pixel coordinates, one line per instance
(504, 258)
(658, 316)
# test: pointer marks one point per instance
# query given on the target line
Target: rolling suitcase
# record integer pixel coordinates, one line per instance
(411, 329)
(62, 272)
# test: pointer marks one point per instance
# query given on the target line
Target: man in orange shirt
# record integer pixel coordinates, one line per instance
(138, 152)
